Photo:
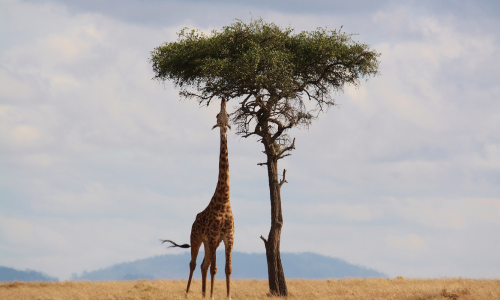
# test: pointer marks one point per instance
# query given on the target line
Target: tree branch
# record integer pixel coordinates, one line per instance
(289, 148)
(249, 134)
(284, 155)
(283, 180)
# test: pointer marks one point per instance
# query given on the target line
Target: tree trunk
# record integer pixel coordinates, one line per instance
(277, 283)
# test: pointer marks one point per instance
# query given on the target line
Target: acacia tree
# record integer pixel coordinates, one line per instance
(280, 79)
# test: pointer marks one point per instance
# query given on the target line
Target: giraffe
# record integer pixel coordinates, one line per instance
(215, 223)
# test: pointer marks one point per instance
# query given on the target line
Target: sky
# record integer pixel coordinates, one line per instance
(98, 161)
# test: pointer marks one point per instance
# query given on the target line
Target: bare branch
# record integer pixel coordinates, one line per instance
(249, 134)
(289, 148)
(292, 146)
(275, 122)
(283, 180)
(284, 155)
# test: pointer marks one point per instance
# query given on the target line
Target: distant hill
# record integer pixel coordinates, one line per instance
(176, 266)
(9, 274)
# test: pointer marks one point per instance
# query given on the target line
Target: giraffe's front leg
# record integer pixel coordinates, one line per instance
(228, 243)
(213, 268)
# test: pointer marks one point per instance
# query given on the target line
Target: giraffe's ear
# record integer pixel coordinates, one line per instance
(229, 126)
(216, 125)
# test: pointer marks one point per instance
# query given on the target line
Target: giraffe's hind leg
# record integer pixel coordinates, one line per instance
(195, 247)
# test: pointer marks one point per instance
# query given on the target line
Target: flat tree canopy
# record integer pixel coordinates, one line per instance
(263, 60)
(271, 71)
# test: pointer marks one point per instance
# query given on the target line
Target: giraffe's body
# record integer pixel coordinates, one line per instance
(215, 224)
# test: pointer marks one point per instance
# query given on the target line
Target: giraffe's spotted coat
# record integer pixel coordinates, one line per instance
(215, 224)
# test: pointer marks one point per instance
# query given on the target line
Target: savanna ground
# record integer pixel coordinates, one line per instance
(375, 288)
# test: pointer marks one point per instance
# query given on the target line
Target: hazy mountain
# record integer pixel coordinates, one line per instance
(9, 274)
(176, 266)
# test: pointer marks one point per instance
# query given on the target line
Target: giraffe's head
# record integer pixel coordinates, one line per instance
(222, 116)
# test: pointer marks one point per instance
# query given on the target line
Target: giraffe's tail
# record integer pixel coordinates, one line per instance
(175, 245)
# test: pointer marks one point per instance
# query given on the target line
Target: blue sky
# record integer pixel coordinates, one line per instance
(98, 161)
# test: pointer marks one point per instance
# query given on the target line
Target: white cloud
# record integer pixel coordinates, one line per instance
(21, 235)
(25, 135)
(409, 242)
(40, 159)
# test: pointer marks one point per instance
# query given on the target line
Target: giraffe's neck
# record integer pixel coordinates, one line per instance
(222, 190)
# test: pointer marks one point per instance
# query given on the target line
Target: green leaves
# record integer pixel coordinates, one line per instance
(261, 57)
(272, 68)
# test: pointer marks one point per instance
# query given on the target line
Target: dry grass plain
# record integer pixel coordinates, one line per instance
(366, 289)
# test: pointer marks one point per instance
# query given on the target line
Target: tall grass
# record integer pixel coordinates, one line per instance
(376, 288)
